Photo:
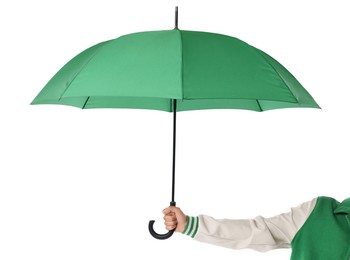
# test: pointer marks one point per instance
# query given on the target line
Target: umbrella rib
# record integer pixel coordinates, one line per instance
(86, 102)
(257, 101)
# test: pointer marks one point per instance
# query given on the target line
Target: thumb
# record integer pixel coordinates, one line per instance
(171, 209)
(166, 211)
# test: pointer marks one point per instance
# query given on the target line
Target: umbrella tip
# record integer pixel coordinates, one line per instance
(176, 17)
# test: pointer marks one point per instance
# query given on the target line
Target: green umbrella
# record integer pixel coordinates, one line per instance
(175, 70)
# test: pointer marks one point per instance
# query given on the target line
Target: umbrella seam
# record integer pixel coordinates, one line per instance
(274, 69)
(182, 66)
(81, 69)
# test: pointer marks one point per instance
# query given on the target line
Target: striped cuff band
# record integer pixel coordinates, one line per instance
(191, 226)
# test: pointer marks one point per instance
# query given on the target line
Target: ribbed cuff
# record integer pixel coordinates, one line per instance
(191, 226)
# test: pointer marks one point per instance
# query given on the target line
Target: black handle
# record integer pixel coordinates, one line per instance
(156, 235)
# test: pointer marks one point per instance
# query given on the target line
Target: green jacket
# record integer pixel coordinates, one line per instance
(326, 233)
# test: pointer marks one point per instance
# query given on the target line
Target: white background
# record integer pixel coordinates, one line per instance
(83, 184)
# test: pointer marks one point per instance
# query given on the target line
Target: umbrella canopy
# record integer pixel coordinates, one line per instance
(201, 70)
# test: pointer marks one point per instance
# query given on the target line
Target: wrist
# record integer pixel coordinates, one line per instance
(182, 227)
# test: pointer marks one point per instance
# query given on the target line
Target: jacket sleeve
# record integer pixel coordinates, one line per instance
(261, 234)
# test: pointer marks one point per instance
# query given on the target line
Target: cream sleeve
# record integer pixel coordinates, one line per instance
(261, 234)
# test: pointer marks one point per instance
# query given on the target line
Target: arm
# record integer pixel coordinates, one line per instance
(261, 234)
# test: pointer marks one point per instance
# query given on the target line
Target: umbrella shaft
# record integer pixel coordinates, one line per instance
(172, 203)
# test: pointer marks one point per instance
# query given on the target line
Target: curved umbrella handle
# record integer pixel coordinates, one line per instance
(156, 235)
(161, 236)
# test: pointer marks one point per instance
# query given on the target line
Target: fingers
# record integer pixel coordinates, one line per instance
(170, 217)
(170, 221)
(174, 218)
(170, 227)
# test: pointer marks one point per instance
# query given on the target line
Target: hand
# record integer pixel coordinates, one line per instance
(174, 217)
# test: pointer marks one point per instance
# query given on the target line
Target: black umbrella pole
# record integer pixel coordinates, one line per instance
(172, 202)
